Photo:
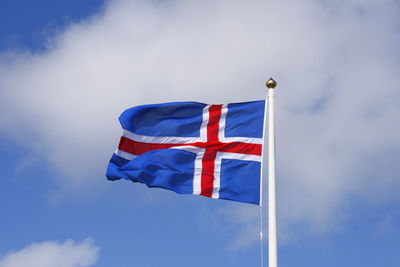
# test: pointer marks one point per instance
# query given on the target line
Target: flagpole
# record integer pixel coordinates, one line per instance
(272, 235)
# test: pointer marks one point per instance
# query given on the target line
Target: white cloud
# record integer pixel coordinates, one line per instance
(53, 254)
(337, 100)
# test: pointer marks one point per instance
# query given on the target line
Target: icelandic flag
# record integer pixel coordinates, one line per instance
(193, 148)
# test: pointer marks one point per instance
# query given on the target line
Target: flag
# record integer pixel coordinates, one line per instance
(193, 148)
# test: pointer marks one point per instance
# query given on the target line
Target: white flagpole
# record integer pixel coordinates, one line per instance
(272, 236)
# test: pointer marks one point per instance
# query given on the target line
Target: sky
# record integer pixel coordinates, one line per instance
(69, 68)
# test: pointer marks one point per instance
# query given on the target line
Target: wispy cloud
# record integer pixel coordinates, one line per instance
(389, 225)
(337, 100)
(53, 254)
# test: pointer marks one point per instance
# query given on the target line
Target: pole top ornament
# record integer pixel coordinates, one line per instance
(271, 83)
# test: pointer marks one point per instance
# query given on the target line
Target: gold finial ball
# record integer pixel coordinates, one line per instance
(271, 83)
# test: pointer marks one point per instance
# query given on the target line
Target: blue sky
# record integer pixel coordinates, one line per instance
(68, 68)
